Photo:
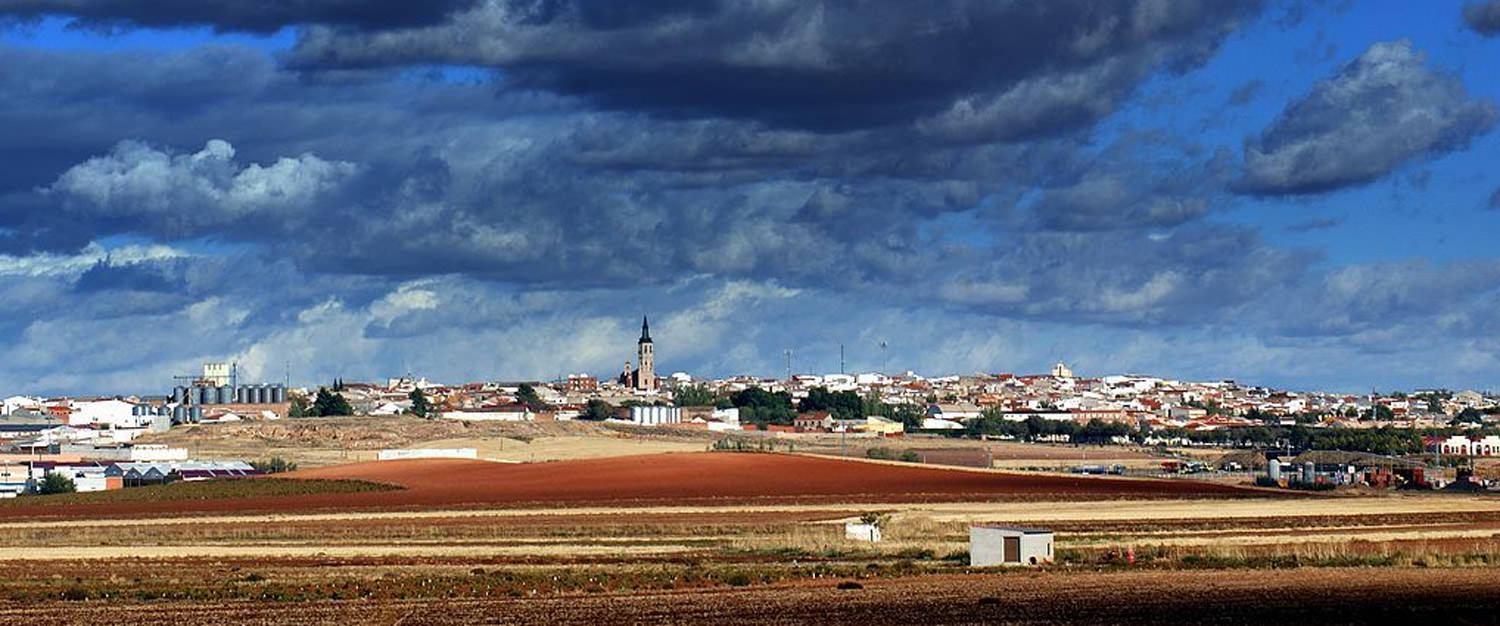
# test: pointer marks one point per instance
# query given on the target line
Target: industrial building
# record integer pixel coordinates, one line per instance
(995, 545)
(652, 415)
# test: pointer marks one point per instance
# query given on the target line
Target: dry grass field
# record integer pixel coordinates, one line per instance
(318, 442)
(725, 553)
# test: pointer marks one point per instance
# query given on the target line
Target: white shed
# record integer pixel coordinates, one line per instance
(860, 531)
(991, 545)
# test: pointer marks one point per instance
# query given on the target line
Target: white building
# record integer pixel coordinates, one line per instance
(653, 415)
(513, 413)
(1461, 445)
(991, 545)
(216, 374)
(12, 404)
(106, 413)
(429, 453)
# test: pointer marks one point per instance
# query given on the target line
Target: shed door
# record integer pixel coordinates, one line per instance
(1012, 550)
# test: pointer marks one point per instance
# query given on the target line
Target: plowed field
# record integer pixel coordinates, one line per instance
(663, 479)
(1235, 597)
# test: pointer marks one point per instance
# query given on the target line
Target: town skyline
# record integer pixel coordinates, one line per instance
(1296, 194)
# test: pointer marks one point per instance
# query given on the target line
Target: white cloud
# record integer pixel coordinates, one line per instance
(186, 193)
(72, 265)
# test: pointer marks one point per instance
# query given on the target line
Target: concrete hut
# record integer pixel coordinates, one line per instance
(993, 544)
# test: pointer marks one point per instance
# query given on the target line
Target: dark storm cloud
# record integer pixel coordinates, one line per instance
(1483, 17)
(259, 16)
(361, 174)
(1198, 273)
(1134, 185)
(1455, 297)
(1383, 110)
(818, 65)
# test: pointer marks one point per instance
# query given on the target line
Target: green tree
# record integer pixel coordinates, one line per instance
(910, 415)
(993, 423)
(329, 404)
(419, 405)
(1469, 416)
(597, 410)
(299, 407)
(693, 395)
(54, 482)
(275, 465)
(842, 404)
(758, 406)
(527, 395)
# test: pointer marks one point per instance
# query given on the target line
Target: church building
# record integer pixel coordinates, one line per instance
(644, 376)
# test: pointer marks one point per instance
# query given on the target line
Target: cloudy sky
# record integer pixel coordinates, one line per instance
(1302, 194)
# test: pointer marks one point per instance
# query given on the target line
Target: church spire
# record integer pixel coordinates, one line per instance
(645, 330)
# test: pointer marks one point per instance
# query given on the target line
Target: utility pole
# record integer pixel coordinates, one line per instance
(841, 358)
(788, 352)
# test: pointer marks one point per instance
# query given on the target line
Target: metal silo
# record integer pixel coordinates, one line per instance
(262, 394)
(278, 394)
(226, 394)
(179, 414)
(178, 394)
(211, 395)
(196, 414)
(1273, 470)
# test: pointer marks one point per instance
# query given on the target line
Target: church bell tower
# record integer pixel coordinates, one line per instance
(645, 375)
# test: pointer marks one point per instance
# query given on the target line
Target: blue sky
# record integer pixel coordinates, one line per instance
(1290, 194)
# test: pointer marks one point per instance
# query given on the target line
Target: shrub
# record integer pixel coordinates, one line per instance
(1266, 481)
(56, 483)
(275, 465)
(737, 579)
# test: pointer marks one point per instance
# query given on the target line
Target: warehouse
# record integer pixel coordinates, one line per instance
(991, 545)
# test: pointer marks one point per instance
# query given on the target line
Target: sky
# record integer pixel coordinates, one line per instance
(1293, 194)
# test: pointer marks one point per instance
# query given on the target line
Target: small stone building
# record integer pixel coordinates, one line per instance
(991, 545)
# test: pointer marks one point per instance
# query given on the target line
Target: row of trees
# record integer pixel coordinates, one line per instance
(1392, 441)
(1034, 428)
(759, 406)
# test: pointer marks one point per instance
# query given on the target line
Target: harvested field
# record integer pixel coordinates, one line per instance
(1011, 451)
(675, 479)
(225, 489)
(1311, 596)
(317, 442)
(718, 477)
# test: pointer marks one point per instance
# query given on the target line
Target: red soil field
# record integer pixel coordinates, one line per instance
(695, 479)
